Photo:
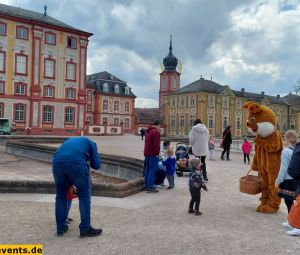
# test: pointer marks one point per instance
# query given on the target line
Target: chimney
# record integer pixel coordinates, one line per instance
(243, 90)
(263, 93)
(278, 96)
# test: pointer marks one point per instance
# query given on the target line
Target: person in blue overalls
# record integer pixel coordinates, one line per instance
(71, 165)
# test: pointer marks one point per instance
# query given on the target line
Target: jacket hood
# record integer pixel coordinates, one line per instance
(151, 128)
(200, 128)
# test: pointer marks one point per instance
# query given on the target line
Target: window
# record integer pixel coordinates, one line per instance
(238, 104)
(22, 33)
(126, 90)
(71, 71)
(173, 121)
(126, 106)
(105, 104)
(50, 38)
(116, 105)
(21, 67)
(126, 123)
(164, 82)
(210, 122)
(69, 115)
(89, 119)
(89, 107)
(70, 93)
(284, 125)
(49, 68)
(3, 28)
(89, 95)
(192, 102)
(116, 121)
(117, 89)
(173, 102)
(211, 101)
(181, 121)
(105, 87)
(174, 82)
(238, 123)
(224, 122)
(1, 110)
(48, 113)
(2, 61)
(2, 86)
(48, 91)
(71, 42)
(292, 126)
(20, 88)
(191, 121)
(225, 102)
(182, 101)
(19, 112)
(105, 120)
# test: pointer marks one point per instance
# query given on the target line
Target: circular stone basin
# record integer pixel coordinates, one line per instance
(118, 177)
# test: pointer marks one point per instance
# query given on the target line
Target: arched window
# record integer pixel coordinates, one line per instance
(174, 82)
(164, 82)
(105, 87)
(117, 89)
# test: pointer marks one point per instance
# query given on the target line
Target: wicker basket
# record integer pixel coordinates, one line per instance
(250, 184)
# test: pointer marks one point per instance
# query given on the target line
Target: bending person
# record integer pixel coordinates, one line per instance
(70, 164)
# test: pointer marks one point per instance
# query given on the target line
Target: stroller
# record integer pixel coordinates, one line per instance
(182, 157)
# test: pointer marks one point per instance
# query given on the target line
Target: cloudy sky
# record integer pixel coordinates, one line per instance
(245, 44)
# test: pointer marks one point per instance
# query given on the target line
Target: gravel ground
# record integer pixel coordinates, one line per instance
(156, 223)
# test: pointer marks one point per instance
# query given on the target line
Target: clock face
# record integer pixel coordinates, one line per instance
(225, 92)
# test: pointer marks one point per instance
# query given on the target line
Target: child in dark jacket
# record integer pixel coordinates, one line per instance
(196, 182)
(170, 164)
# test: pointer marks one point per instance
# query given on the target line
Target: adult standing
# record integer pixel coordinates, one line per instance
(198, 138)
(70, 165)
(227, 141)
(151, 153)
(142, 131)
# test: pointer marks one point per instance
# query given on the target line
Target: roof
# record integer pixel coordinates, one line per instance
(97, 80)
(292, 99)
(209, 86)
(201, 85)
(32, 16)
(147, 115)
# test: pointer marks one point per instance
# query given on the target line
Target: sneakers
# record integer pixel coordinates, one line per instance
(157, 186)
(91, 232)
(287, 225)
(197, 213)
(61, 233)
(294, 232)
(170, 187)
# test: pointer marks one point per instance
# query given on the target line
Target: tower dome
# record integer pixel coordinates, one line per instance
(170, 61)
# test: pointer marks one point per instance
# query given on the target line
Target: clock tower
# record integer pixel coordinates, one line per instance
(169, 77)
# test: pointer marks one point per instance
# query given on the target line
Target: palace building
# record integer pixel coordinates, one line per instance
(216, 105)
(110, 101)
(42, 72)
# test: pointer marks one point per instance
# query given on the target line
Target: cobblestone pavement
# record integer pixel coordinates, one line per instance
(148, 223)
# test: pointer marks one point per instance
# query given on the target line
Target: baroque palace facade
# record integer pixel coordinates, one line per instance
(42, 72)
(216, 105)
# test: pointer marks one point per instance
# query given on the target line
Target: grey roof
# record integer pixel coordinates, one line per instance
(292, 99)
(209, 86)
(201, 85)
(32, 16)
(96, 81)
(147, 115)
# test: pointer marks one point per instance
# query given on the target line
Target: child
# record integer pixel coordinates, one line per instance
(284, 181)
(196, 182)
(246, 148)
(72, 193)
(211, 147)
(170, 164)
(161, 170)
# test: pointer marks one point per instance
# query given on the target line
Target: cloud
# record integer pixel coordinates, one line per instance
(146, 103)
(241, 43)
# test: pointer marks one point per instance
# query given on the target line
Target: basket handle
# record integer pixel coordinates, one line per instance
(249, 171)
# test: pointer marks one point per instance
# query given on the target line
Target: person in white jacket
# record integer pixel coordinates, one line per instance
(198, 138)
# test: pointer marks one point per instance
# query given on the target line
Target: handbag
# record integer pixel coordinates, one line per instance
(287, 189)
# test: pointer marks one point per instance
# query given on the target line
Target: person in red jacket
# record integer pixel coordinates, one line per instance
(151, 153)
(246, 147)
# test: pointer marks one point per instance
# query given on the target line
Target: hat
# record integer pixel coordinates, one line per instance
(195, 162)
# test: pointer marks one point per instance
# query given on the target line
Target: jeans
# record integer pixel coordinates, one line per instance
(69, 205)
(150, 165)
(246, 155)
(196, 196)
(202, 159)
(171, 180)
(227, 150)
(77, 174)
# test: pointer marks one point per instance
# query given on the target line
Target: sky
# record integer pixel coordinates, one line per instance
(244, 44)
